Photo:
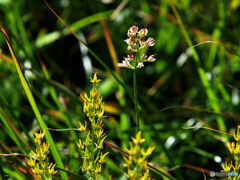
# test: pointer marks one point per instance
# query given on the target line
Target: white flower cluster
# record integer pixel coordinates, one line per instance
(136, 43)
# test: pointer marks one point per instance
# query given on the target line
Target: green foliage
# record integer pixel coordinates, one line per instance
(185, 99)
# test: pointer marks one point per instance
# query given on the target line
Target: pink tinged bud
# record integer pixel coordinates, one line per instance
(126, 59)
(129, 33)
(139, 65)
(125, 63)
(143, 32)
(150, 42)
(128, 41)
(132, 31)
(151, 58)
(130, 48)
(142, 44)
(143, 58)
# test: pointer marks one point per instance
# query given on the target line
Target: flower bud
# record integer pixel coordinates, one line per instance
(143, 58)
(143, 44)
(150, 42)
(142, 33)
(132, 31)
(151, 58)
(140, 65)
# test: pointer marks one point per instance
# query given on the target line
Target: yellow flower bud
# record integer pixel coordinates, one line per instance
(94, 80)
(82, 128)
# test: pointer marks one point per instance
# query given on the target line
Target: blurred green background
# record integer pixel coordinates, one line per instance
(183, 88)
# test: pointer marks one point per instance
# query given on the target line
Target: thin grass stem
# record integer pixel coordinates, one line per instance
(135, 96)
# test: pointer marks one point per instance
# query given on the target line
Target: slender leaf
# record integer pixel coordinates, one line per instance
(33, 104)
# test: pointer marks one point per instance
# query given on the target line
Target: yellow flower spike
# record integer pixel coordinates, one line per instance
(95, 80)
(93, 93)
(85, 97)
(44, 165)
(127, 162)
(141, 161)
(84, 165)
(131, 174)
(90, 166)
(148, 152)
(87, 154)
(236, 135)
(41, 167)
(138, 139)
(100, 146)
(136, 162)
(88, 139)
(146, 175)
(51, 168)
(93, 141)
(82, 128)
(100, 114)
(31, 162)
(98, 169)
(99, 134)
(236, 149)
(231, 147)
(102, 157)
(80, 145)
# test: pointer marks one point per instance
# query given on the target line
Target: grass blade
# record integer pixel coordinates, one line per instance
(111, 48)
(209, 91)
(1, 171)
(11, 132)
(33, 104)
(53, 36)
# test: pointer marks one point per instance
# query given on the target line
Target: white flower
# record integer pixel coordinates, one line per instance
(143, 32)
(132, 31)
(136, 43)
(143, 58)
(150, 42)
(130, 41)
(142, 43)
(151, 58)
(125, 64)
(130, 48)
(139, 65)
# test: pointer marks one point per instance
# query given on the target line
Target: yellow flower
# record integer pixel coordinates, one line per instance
(82, 128)
(80, 145)
(92, 143)
(41, 168)
(148, 152)
(95, 80)
(138, 139)
(102, 157)
(136, 162)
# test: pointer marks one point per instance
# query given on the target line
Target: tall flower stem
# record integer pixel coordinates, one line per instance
(136, 44)
(135, 96)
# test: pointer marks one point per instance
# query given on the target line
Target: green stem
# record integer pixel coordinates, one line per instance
(135, 96)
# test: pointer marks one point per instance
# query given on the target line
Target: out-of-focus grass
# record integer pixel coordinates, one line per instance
(57, 69)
